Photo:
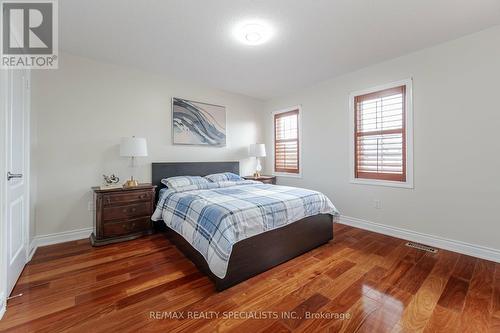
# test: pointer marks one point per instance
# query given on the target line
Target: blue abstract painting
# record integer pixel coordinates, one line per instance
(195, 123)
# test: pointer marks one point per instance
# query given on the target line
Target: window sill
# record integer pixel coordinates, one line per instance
(290, 175)
(388, 183)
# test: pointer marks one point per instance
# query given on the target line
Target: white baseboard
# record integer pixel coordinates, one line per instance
(31, 250)
(3, 305)
(60, 237)
(440, 242)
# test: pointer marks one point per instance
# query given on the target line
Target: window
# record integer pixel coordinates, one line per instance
(381, 135)
(286, 142)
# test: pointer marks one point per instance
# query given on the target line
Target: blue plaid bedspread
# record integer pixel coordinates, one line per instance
(213, 218)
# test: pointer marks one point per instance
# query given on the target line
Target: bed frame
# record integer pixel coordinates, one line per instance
(253, 255)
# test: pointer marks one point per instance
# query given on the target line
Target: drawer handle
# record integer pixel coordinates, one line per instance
(128, 227)
(143, 196)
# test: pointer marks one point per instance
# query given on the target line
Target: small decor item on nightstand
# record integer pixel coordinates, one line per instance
(133, 147)
(257, 150)
(110, 182)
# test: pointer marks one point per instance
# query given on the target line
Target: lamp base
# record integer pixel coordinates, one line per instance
(131, 183)
(258, 168)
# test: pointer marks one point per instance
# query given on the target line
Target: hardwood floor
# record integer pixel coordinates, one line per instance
(359, 282)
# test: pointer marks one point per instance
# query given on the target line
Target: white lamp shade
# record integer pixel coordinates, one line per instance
(257, 150)
(133, 147)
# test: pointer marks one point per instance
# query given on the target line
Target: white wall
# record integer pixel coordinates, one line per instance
(85, 107)
(456, 133)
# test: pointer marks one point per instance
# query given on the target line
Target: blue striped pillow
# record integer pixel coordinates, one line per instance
(180, 181)
(223, 177)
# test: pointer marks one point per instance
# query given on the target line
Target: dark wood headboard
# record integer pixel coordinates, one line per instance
(172, 169)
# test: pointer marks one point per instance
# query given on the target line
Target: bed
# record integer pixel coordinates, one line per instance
(249, 256)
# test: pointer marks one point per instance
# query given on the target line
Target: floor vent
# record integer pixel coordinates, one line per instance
(422, 247)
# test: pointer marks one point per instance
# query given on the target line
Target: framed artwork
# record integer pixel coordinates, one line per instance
(196, 123)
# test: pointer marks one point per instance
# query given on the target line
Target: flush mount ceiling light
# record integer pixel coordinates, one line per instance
(253, 32)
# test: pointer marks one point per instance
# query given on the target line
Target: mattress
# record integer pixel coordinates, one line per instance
(214, 217)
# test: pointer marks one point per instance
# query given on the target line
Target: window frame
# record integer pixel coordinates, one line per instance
(300, 143)
(408, 137)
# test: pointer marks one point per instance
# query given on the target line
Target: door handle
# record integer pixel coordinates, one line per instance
(14, 175)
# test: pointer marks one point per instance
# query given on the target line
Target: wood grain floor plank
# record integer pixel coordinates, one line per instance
(321, 284)
(382, 319)
(419, 309)
(311, 304)
(477, 309)
(281, 291)
(372, 282)
(453, 296)
(413, 279)
(495, 307)
(396, 273)
(275, 327)
(353, 290)
(443, 320)
(483, 279)
(494, 325)
(136, 317)
(257, 297)
(465, 267)
(340, 269)
(73, 284)
(359, 314)
(476, 315)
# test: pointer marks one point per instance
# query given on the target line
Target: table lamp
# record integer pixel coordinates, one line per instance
(133, 147)
(257, 150)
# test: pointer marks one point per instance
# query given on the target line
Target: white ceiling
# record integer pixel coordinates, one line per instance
(314, 39)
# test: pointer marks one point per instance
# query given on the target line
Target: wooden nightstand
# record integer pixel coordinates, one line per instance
(122, 214)
(264, 179)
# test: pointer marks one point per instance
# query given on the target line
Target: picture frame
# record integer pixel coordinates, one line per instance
(198, 123)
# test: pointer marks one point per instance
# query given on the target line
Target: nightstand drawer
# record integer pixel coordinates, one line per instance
(126, 227)
(124, 212)
(119, 198)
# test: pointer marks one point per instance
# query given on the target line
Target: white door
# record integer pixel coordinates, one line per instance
(17, 159)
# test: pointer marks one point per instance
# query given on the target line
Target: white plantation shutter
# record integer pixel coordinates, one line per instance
(286, 142)
(380, 147)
